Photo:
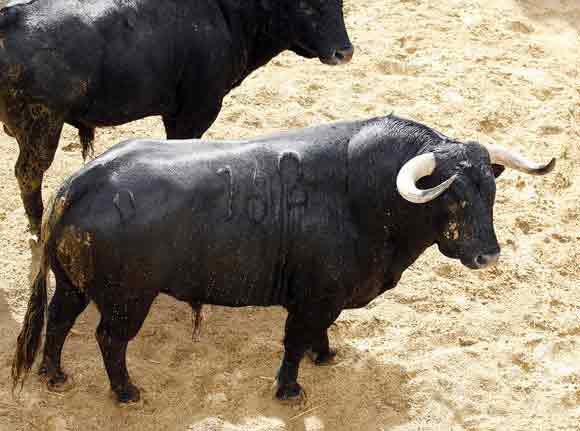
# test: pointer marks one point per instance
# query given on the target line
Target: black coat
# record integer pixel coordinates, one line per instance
(108, 62)
(280, 220)
(311, 220)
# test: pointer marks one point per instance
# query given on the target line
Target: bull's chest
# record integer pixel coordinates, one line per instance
(375, 277)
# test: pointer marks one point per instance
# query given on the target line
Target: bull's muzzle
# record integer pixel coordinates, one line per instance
(339, 56)
(485, 260)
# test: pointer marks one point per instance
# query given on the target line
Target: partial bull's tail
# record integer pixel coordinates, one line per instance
(87, 138)
(30, 336)
(198, 317)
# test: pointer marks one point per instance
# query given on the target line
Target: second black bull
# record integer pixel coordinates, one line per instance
(93, 63)
(316, 220)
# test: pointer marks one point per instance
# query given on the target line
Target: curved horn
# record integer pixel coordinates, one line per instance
(511, 159)
(415, 169)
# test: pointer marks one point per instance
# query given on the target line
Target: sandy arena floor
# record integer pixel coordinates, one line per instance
(448, 349)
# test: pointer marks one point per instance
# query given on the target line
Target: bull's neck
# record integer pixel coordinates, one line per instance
(380, 211)
(256, 32)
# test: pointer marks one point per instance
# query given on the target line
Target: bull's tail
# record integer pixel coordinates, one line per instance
(87, 138)
(30, 336)
(198, 317)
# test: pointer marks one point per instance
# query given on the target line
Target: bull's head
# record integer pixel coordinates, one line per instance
(464, 213)
(316, 29)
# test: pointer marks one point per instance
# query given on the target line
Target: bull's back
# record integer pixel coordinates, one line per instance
(140, 218)
(96, 59)
(221, 222)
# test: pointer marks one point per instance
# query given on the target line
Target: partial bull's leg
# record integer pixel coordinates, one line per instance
(120, 322)
(37, 137)
(303, 329)
(66, 305)
(114, 350)
(321, 351)
(296, 341)
(190, 125)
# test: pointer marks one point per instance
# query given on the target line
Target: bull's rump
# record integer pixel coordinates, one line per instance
(226, 224)
(96, 61)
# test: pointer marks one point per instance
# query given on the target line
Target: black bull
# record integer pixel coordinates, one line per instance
(93, 63)
(316, 220)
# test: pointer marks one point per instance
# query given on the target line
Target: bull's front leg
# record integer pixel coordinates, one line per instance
(192, 122)
(303, 331)
(296, 341)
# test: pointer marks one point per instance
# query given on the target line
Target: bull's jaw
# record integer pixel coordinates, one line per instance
(476, 261)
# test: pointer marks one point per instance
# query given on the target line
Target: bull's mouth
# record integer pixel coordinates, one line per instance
(339, 56)
(336, 57)
(479, 261)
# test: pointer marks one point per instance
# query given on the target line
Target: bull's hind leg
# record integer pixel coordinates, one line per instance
(320, 351)
(120, 322)
(37, 131)
(304, 329)
(66, 305)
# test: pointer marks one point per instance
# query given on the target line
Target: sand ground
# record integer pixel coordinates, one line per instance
(448, 349)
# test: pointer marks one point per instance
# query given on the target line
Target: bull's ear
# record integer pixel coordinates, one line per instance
(497, 169)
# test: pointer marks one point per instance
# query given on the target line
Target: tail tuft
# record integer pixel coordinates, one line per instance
(198, 317)
(87, 137)
(30, 336)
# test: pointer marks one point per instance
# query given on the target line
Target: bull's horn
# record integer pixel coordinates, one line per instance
(412, 171)
(511, 159)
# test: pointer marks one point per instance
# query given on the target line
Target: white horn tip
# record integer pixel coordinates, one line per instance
(545, 169)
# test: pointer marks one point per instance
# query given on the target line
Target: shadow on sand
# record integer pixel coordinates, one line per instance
(550, 12)
(9, 329)
(239, 355)
(224, 382)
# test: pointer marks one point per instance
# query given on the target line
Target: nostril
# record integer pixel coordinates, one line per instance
(344, 53)
(480, 260)
(484, 260)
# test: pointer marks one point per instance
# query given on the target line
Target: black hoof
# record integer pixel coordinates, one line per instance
(326, 358)
(292, 391)
(128, 394)
(59, 383)
(43, 370)
(55, 381)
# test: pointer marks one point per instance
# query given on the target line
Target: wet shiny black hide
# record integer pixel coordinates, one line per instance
(310, 220)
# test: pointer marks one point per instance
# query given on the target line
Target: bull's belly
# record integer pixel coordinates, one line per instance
(230, 282)
(220, 269)
(108, 115)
